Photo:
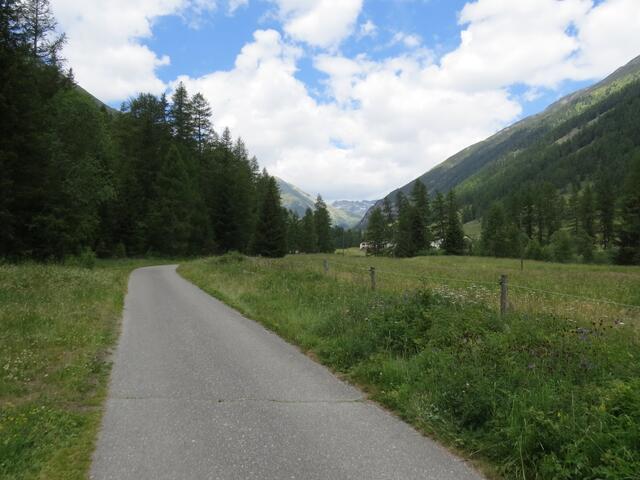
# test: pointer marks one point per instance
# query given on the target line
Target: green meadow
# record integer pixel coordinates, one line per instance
(549, 390)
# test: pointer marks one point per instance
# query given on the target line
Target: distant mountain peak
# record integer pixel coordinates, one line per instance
(298, 201)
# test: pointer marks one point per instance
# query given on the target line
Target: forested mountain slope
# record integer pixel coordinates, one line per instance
(568, 143)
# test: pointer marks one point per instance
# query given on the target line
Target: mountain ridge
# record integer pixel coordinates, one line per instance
(520, 136)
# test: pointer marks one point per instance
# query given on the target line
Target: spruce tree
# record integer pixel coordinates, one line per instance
(376, 232)
(420, 217)
(629, 230)
(323, 227)
(293, 232)
(494, 232)
(182, 115)
(202, 127)
(405, 246)
(606, 207)
(39, 30)
(440, 217)
(454, 236)
(270, 238)
(588, 211)
(308, 236)
(171, 209)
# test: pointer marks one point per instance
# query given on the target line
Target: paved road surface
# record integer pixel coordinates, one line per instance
(200, 392)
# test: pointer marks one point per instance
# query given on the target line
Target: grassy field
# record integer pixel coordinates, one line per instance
(57, 325)
(551, 390)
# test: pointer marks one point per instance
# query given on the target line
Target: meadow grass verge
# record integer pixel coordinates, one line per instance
(57, 326)
(533, 395)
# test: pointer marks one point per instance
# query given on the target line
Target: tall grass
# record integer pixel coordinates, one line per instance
(536, 395)
(57, 325)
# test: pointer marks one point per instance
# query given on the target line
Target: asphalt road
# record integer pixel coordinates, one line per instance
(200, 392)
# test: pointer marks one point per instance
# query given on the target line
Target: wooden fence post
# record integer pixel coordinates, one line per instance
(504, 294)
(372, 270)
(325, 264)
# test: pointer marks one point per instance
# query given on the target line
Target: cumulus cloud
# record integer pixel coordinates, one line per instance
(381, 122)
(392, 128)
(319, 23)
(388, 121)
(104, 41)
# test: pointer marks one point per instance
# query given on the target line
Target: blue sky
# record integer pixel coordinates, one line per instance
(352, 98)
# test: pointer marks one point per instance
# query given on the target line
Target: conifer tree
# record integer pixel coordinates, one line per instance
(588, 211)
(494, 235)
(202, 127)
(389, 219)
(440, 217)
(574, 208)
(171, 209)
(39, 30)
(271, 231)
(420, 217)
(454, 236)
(293, 232)
(376, 232)
(629, 230)
(182, 115)
(405, 246)
(323, 227)
(606, 207)
(308, 236)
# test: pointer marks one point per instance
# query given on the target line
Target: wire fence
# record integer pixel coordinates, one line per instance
(501, 293)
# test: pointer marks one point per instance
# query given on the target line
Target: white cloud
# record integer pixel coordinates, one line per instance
(368, 29)
(319, 23)
(104, 41)
(383, 122)
(397, 128)
(236, 4)
(407, 39)
(388, 121)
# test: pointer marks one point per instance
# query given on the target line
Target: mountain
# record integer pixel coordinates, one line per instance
(297, 201)
(357, 208)
(591, 129)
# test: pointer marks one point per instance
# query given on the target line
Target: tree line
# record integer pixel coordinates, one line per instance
(154, 178)
(417, 225)
(593, 221)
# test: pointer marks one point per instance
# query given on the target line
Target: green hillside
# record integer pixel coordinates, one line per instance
(568, 143)
(298, 201)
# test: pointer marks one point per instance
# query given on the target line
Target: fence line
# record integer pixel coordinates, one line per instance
(479, 282)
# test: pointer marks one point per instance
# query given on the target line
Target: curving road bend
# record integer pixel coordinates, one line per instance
(200, 392)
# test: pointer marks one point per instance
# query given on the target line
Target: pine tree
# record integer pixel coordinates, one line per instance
(574, 208)
(171, 209)
(389, 219)
(202, 127)
(293, 232)
(629, 230)
(606, 207)
(181, 114)
(39, 27)
(588, 211)
(308, 236)
(376, 232)
(454, 236)
(271, 230)
(440, 217)
(323, 227)
(405, 246)
(420, 217)
(494, 234)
